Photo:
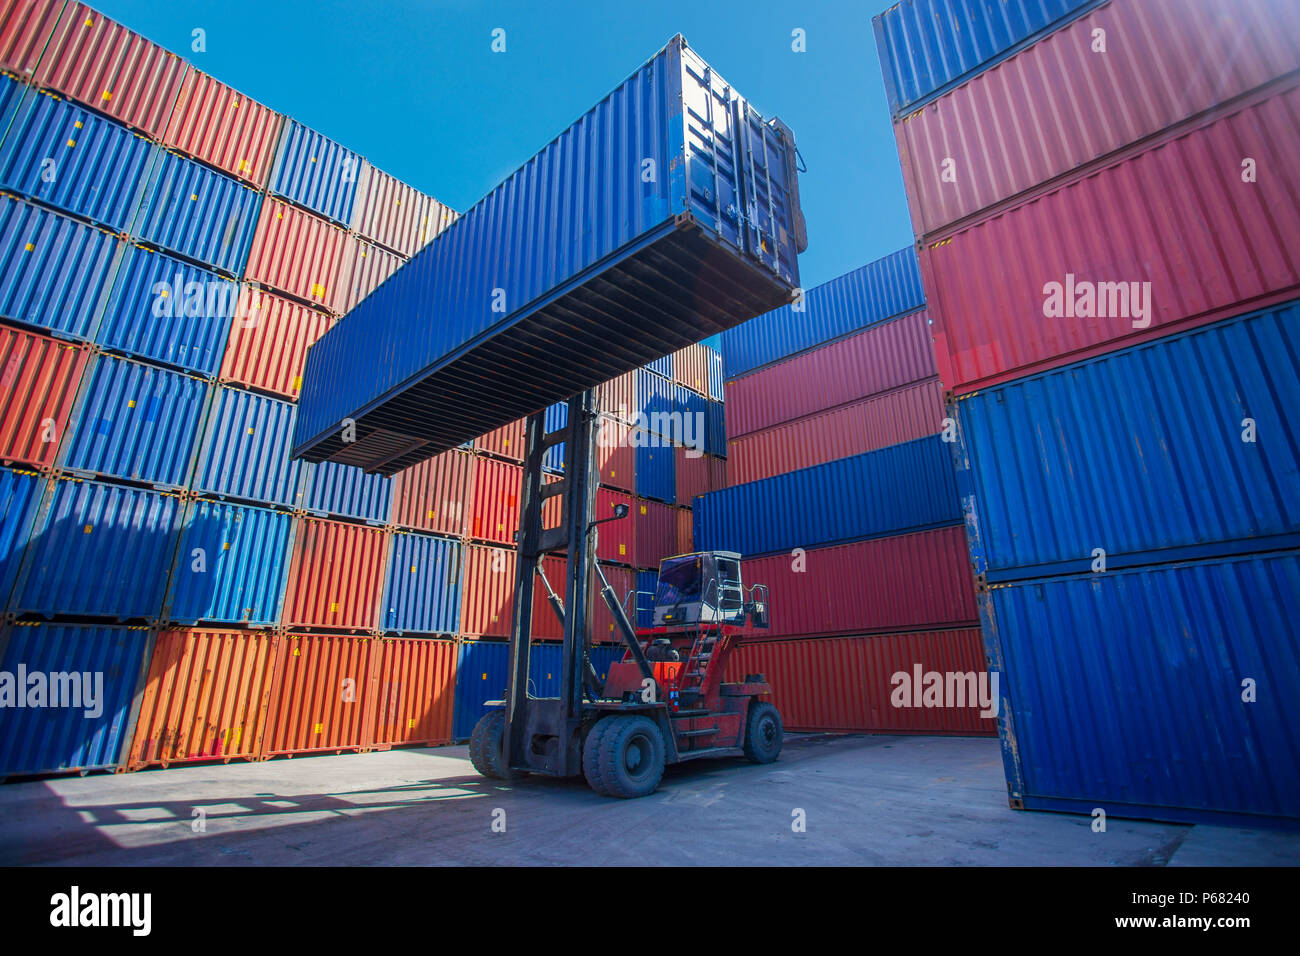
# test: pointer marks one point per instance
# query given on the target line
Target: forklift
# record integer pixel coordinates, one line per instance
(665, 702)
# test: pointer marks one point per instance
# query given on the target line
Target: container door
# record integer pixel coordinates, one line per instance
(711, 148)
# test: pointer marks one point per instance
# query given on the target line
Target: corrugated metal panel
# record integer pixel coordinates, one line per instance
(169, 311)
(647, 583)
(108, 67)
(929, 46)
(395, 215)
(434, 495)
(696, 413)
(489, 592)
(336, 575)
(910, 582)
(38, 383)
(63, 155)
(652, 406)
(716, 377)
(691, 368)
(555, 418)
(615, 456)
(205, 698)
(371, 265)
(322, 695)
(718, 151)
(245, 450)
(873, 293)
(1174, 59)
(883, 357)
(655, 532)
(54, 739)
(494, 515)
(198, 213)
(1237, 248)
(25, 27)
(231, 565)
(655, 472)
(223, 128)
(415, 685)
(617, 539)
(137, 422)
(99, 549)
(603, 629)
(332, 489)
(20, 494)
(715, 429)
(617, 397)
(661, 366)
(1125, 690)
(904, 414)
(422, 593)
(299, 254)
(268, 342)
(846, 684)
(691, 476)
(314, 171)
(504, 442)
(908, 487)
(685, 531)
(1050, 498)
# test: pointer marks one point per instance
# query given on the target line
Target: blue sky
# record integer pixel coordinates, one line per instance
(415, 87)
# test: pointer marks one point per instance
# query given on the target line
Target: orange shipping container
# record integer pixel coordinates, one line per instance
(433, 495)
(38, 383)
(685, 531)
(489, 593)
(322, 695)
(335, 575)
(112, 69)
(268, 342)
(299, 254)
(205, 697)
(415, 681)
(223, 128)
(495, 494)
(615, 455)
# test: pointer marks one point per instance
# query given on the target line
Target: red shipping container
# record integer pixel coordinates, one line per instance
(505, 442)
(433, 495)
(494, 492)
(656, 532)
(691, 368)
(336, 575)
(322, 695)
(299, 254)
(205, 697)
(616, 539)
(220, 126)
(852, 684)
(718, 472)
(268, 344)
(370, 266)
(623, 581)
(415, 681)
(38, 384)
(617, 397)
(1058, 105)
(877, 359)
(904, 414)
(25, 26)
(104, 65)
(900, 583)
(697, 475)
(1178, 225)
(685, 531)
(489, 593)
(615, 455)
(395, 215)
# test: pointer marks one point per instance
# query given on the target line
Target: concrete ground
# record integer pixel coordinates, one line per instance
(866, 800)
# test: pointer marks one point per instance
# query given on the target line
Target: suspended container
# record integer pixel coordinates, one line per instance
(38, 383)
(244, 454)
(315, 172)
(415, 683)
(322, 696)
(435, 495)
(87, 734)
(218, 125)
(231, 566)
(336, 574)
(422, 591)
(268, 342)
(343, 491)
(20, 494)
(300, 255)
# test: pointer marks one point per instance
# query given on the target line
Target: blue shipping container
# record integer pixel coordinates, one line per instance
(894, 490)
(606, 272)
(245, 450)
(1148, 453)
(481, 676)
(662, 366)
(557, 417)
(198, 213)
(1127, 690)
(422, 592)
(99, 549)
(927, 47)
(656, 473)
(65, 156)
(20, 493)
(716, 377)
(348, 492)
(653, 405)
(169, 311)
(314, 171)
(878, 291)
(137, 422)
(87, 724)
(647, 582)
(231, 566)
(715, 430)
(54, 271)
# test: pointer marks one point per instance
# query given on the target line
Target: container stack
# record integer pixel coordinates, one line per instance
(1114, 307)
(843, 503)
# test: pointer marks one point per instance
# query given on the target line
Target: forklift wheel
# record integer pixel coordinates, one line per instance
(631, 756)
(485, 745)
(764, 732)
(591, 756)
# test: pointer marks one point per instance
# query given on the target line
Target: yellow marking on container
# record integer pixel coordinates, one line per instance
(412, 569)
(130, 403)
(250, 430)
(89, 22)
(72, 143)
(334, 607)
(643, 511)
(319, 728)
(297, 381)
(234, 736)
(225, 546)
(622, 549)
(235, 104)
(295, 652)
(278, 214)
(411, 724)
(89, 528)
(193, 196)
(106, 95)
(318, 290)
(485, 675)
(243, 165)
(313, 159)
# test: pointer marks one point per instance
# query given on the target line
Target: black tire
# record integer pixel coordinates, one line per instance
(631, 757)
(591, 756)
(764, 732)
(485, 744)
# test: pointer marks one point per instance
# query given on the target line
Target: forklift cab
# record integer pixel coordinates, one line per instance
(705, 587)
